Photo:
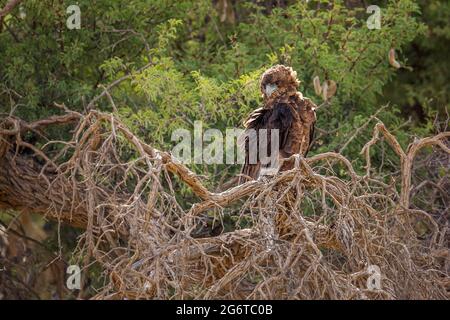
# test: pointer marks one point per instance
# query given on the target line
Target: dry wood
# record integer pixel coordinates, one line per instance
(312, 234)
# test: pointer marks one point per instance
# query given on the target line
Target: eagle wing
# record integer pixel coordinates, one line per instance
(280, 117)
(301, 132)
(312, 128)
(308, 115)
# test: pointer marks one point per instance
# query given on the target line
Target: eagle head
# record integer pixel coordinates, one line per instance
(278, 80)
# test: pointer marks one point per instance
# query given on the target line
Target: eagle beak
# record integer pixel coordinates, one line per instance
(270, 88)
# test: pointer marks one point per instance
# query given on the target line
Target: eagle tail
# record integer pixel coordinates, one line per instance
(249, 172)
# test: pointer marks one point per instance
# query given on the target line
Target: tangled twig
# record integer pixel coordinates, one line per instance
(308, 233)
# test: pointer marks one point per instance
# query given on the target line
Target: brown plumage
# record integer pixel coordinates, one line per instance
(284, 109)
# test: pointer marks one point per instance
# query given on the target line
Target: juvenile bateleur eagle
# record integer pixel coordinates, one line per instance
(285, 109)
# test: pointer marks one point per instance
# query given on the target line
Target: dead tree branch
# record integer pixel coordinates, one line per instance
(311, 234)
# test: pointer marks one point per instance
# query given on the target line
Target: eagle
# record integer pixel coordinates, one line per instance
(286, 109)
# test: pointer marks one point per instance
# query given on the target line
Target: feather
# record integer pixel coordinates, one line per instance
(286, 110)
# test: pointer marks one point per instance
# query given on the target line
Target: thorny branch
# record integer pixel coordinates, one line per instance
(310, 234)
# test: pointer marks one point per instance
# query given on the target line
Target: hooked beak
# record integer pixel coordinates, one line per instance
(270, 88)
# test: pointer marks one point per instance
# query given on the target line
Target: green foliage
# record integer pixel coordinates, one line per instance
(424, 93)
(205, 69)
